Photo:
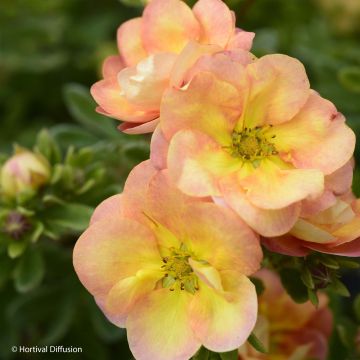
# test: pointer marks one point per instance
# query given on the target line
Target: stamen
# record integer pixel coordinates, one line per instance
(252, 144)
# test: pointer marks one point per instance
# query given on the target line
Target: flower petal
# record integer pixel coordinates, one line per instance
(168, 25)
(158, 327)
(107, 94)
(133, 128)
(186, 59)
(144, 85)
(270, 187)
(124, 295)
(316, 137)
(158, 149)
(195, 161)
(207, 104)
(216, 21)
(265, 222)
(286, 245)
(111, 250)
(110, 207)
(224, 320)
(241, 40)
(279, 89)
(130, 43)
(112, 66)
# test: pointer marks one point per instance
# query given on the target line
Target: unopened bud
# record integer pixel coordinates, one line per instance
(24, 172)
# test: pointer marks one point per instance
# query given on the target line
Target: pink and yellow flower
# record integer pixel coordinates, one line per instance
(170, 268)
(155, 51)
(289, 331)
(334, 230)
(24, 172)
(254, 137)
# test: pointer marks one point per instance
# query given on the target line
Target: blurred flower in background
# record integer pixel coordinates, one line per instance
(290, 331)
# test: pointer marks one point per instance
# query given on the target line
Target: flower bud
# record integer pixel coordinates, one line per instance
(25, 171)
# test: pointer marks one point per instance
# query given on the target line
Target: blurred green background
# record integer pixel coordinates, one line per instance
(50, 54)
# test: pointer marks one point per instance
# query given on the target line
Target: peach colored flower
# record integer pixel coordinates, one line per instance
(155, 51)
(290, 331)
(253, 136)
(24, 172)
(170, 268)
(334, 230)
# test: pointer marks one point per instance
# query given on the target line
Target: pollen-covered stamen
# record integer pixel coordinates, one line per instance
(252, 144)
(178, 272)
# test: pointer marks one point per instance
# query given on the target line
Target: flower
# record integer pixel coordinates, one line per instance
(328, 224)
(24, 172)
(156, 50)
(254, 137)
(170, 268)
(289, 330)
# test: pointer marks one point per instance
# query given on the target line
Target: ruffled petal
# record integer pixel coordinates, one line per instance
(110, 207)
(279, 88)
(130, 43)
(270, 187)
(111, 250)
(159, 149)
(134, 129)
(108, 95)
(265, 222)
(195, 162)
(112, 66)
(124, 295)
(241, 40)
(144, 85)
(316, 137)
(206, 104)
(168, 25)
(216, 21)
(158, 327)
(224, 320)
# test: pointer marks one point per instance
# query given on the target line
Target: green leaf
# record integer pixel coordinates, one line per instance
(16, 248)
(29, 272)
(230, 355)
(37, 232)
(313, 297)
(202, 354)
(69, 217)
(357, 307)
(291, 280)
(307, 279)
(256, 343)
(82, 107)
(338, 287)
(349, 77)
(47, 146)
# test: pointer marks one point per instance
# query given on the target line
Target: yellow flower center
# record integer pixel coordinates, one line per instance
(252, 144)
(178, 272)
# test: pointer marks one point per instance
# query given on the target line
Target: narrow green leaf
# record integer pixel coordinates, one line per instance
(313, 297)
(339, 287)
(30, 270)
(257, 344)
(307, 279)
(82, 108)
(16, 248)
(357, 307)
(202, 354)
(69, 217)
(230, 355)
(291, 280)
